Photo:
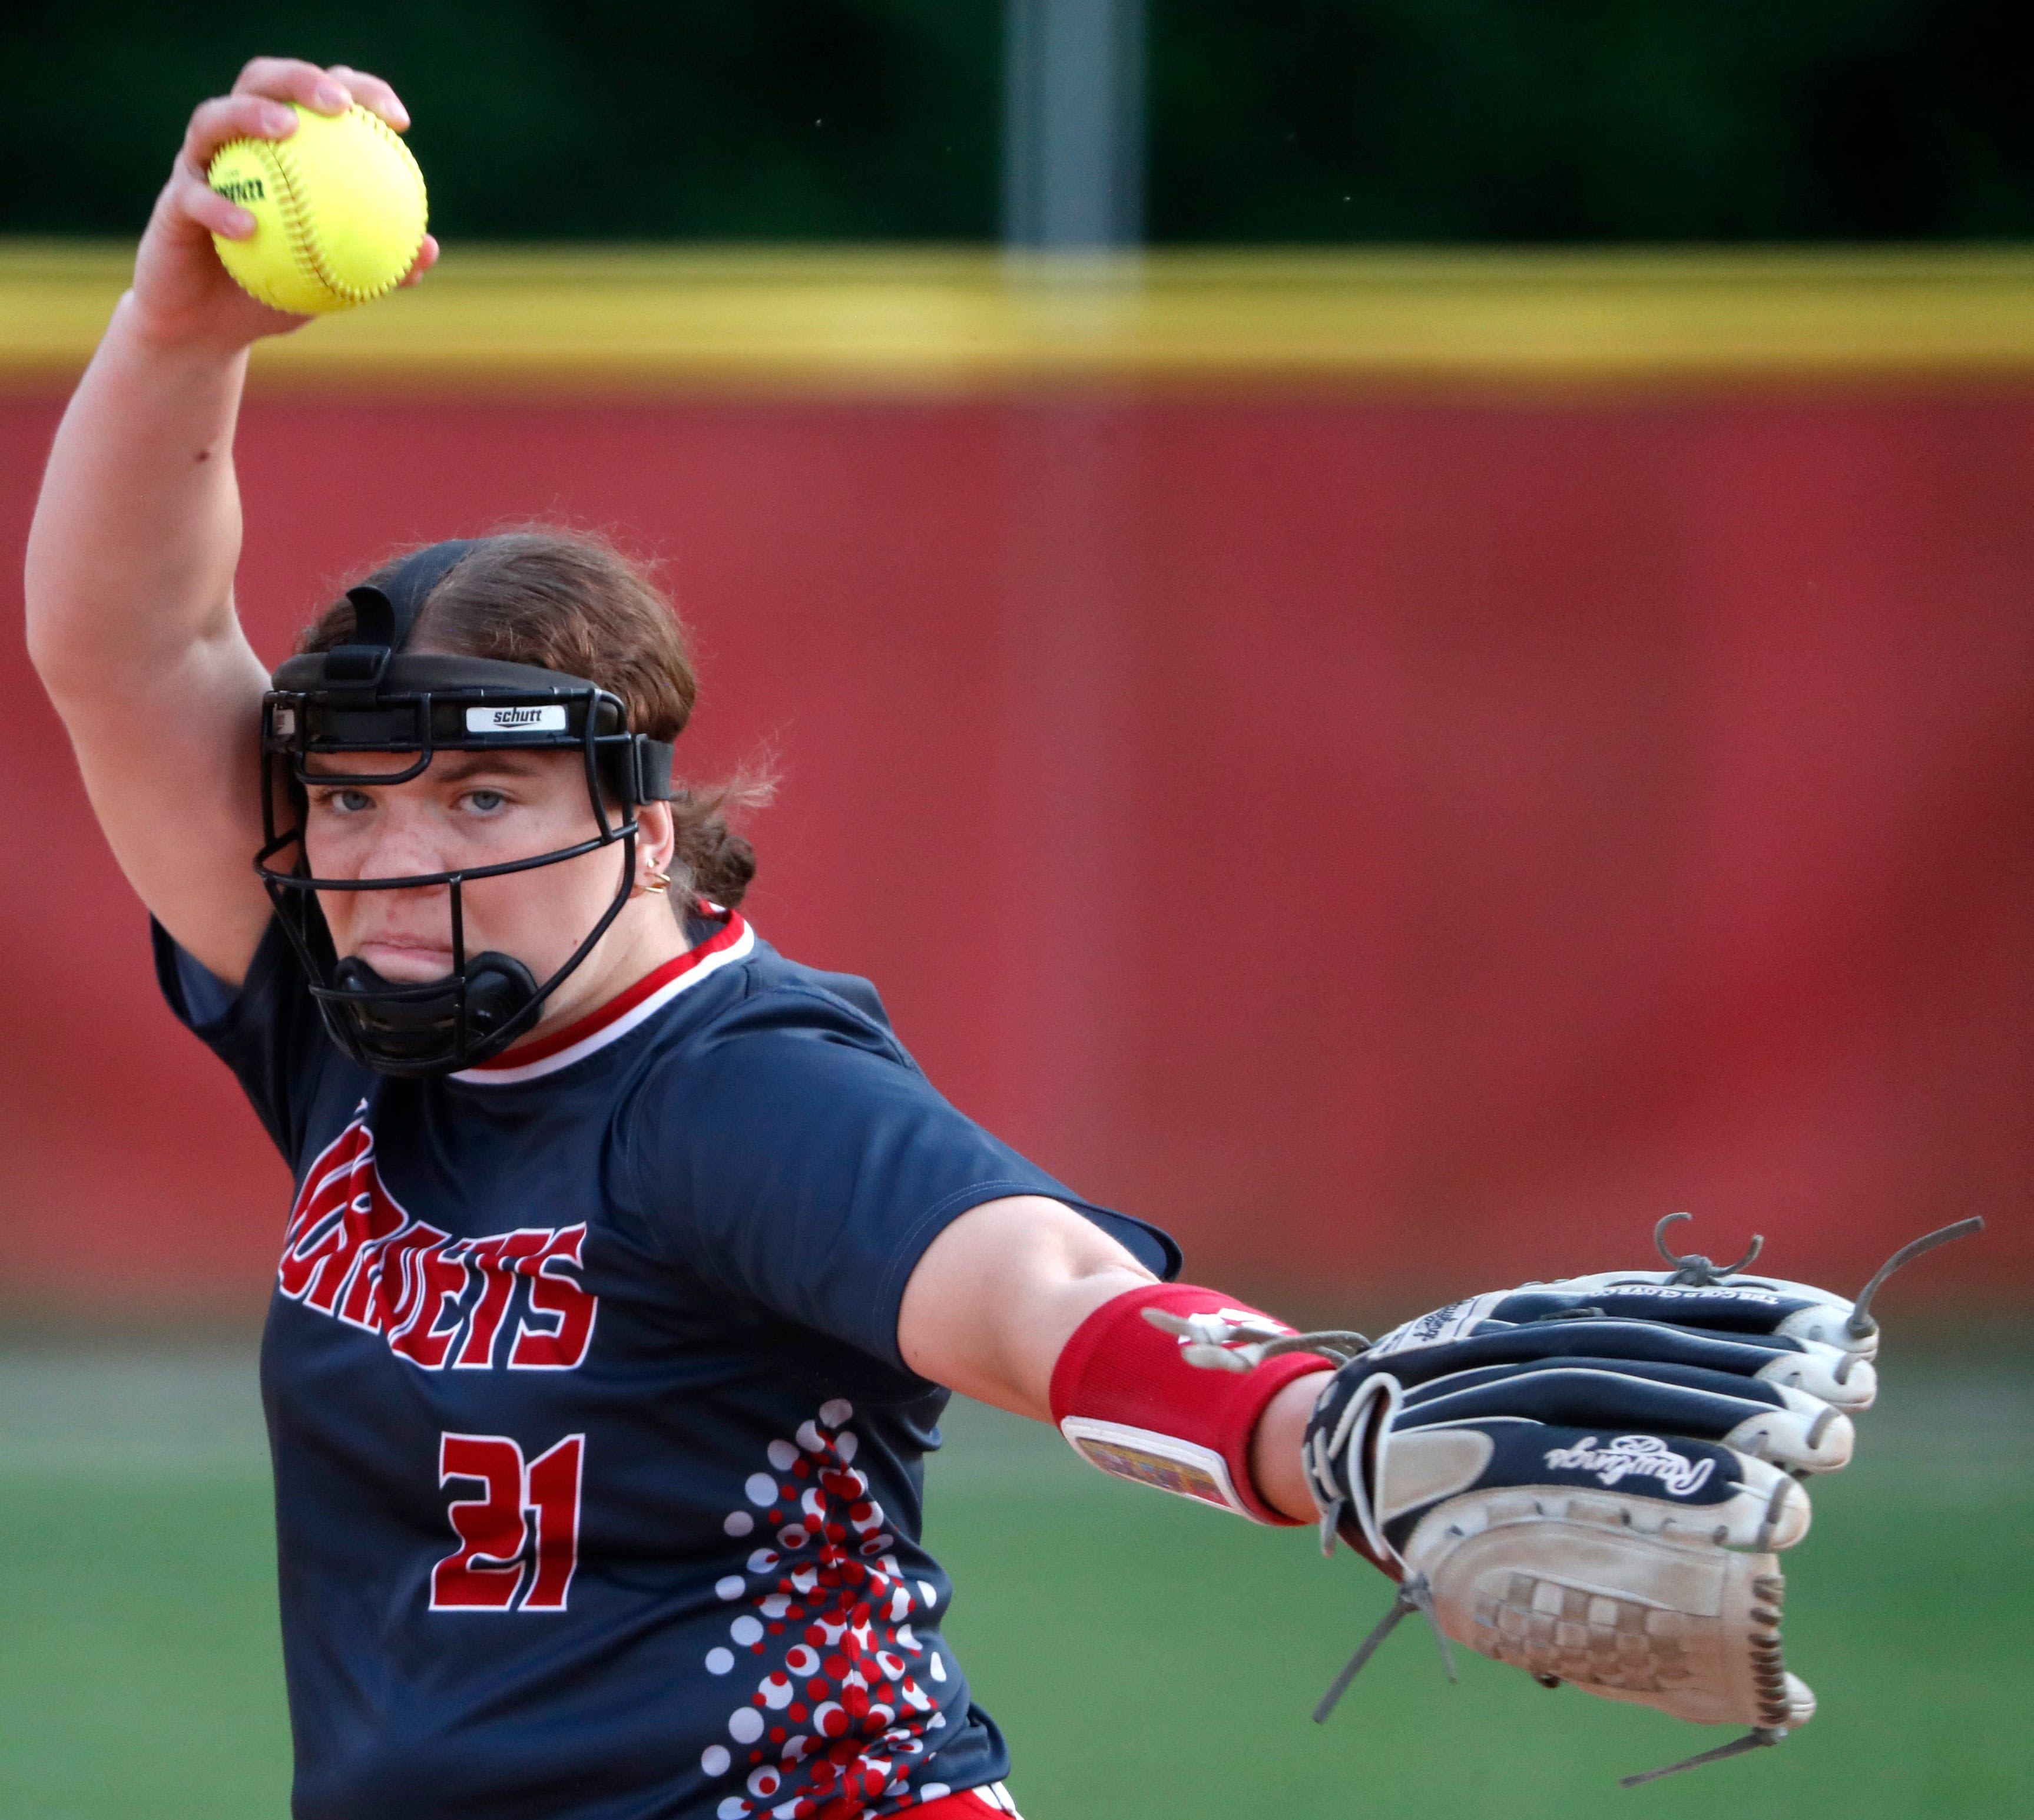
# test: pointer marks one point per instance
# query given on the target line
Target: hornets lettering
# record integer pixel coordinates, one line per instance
(351, 1251)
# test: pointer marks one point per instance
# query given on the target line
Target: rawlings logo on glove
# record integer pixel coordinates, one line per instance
(1645, 1454)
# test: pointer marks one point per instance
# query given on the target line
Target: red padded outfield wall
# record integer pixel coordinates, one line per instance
(1398, 846)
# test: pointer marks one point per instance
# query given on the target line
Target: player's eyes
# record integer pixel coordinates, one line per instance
(485, 801)
(341, 801)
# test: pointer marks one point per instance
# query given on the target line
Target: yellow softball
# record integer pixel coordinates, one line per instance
(338, 207)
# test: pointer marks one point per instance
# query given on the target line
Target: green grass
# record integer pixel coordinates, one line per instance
(1145, 1656)
(141, 1673)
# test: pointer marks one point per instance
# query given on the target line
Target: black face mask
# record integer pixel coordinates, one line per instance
(367, 696)
(404, 1028)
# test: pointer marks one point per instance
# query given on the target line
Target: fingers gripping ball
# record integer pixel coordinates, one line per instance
(339, 209)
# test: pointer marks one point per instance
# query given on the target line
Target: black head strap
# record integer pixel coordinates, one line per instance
(384, 615)
(653, 769)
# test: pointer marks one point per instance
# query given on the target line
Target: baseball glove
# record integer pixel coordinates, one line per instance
(1593, 1479)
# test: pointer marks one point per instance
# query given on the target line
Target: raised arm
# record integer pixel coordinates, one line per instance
(137, 533)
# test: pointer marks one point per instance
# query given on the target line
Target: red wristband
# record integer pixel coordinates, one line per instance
(1130, 1404)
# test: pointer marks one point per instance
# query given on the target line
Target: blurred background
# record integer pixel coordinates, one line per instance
(1399, 630)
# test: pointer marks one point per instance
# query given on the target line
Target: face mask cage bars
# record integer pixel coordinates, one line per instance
(292, 723)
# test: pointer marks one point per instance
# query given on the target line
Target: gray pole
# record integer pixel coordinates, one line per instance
(1073, 124)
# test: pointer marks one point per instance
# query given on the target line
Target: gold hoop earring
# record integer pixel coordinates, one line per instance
(655, 884)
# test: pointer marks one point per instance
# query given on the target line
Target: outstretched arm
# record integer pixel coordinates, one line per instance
(996, 1297)
(131, 561)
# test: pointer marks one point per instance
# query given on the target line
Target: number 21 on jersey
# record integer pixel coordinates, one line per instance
(518, 1538)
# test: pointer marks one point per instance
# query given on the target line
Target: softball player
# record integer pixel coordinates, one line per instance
(630, 1263)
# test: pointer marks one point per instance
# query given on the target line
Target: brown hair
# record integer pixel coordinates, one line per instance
(566, 601)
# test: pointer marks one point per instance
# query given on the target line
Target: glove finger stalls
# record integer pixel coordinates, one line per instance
(1760, 1304)
(1726, 1310)
(1800, 1441)
(1747, 1356)
(1845, 1381)
(1546, 1387)
(1738, 1279)
(1770, 1421)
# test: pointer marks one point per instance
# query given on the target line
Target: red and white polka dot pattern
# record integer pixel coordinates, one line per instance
(836, 1719)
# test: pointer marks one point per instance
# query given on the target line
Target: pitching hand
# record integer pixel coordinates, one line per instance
(182, 294)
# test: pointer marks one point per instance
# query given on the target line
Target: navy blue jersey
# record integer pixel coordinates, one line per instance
(598, 1470)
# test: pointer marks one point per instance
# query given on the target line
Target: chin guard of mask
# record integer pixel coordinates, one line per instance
(369, 696)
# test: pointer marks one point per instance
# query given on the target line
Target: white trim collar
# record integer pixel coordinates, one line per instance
(738, 950)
